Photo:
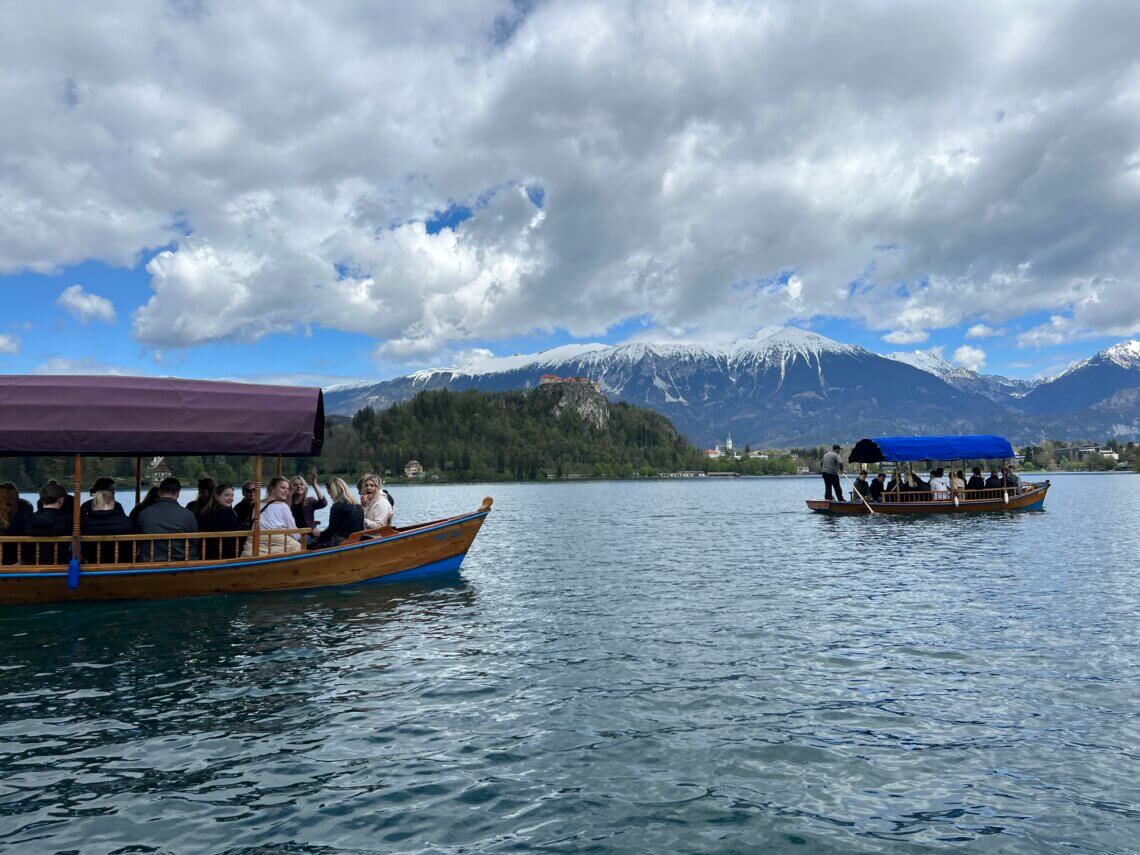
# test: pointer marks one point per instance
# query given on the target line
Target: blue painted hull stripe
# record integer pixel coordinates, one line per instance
(435, 568)
(293, 556)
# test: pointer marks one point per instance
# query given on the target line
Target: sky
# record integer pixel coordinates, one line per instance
(309, 193)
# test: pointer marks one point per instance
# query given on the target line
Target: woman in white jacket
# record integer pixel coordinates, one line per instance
(378, 510)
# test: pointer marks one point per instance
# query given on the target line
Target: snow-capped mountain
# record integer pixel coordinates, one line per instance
(789, 386)
(1089, 382)
(993, 386)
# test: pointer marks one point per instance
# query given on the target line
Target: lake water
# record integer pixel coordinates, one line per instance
(675, 666)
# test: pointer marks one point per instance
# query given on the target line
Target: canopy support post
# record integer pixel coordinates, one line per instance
(138, 480)
(76, 494)
(256, 506)
(280, 471)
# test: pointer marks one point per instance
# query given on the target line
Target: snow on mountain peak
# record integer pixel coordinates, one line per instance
(1126, 354)
(932, 362)
(788, 341)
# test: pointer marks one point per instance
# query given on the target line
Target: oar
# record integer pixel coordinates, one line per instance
(860, 495)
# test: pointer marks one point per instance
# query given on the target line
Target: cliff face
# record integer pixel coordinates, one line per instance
(581, 398)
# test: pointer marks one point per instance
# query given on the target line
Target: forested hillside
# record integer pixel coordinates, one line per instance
(508, 435)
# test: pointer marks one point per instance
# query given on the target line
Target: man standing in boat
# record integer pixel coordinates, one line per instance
(829, 468)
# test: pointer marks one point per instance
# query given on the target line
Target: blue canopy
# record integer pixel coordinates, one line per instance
(903, 448)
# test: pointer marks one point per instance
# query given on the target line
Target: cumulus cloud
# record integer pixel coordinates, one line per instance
(970, 357)
(62, 365)
(906, 337)
(9, 344)
(85, 306)
(711, 168)
(983, 331)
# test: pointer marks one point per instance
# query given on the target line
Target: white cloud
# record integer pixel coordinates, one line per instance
(62, 365)
(906, 337)
(691, 156)
(970, 357)
(9, 344)
(983, 331)
(85, 306)
(1058, 330)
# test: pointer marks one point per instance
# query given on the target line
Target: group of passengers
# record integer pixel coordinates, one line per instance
(287, 509)
(942, 486)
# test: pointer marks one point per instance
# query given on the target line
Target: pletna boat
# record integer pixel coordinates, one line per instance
(141, 417)
(952, 450)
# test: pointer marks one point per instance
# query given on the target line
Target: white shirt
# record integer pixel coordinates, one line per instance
(278, 515)
(378, 513)
(940, 487)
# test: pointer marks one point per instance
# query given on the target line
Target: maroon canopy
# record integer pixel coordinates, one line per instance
(137, 416)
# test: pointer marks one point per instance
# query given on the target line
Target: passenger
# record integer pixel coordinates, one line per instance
(830, 467)
(959, 481)
(1011, 479)
(976, 482)
(99, 485)
(994, 482)
(218, 515)
(275, 514)
(861, 486)
(939, 485)
(304, 506)
(244, 508)
(893, 486)
(875, 488)
(346, 517)
(206, 488)
(377, 509)
(166, 516)
(14, 516)
(106, 517)
(149, 499)
(49, 521)
(68, 501)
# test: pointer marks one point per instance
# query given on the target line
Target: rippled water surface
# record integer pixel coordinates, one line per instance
(658, 666)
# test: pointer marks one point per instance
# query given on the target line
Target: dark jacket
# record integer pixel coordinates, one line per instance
(875, 490)
(89, 506)
(166, 516)
(48, 522)
(220, 518)
(305, 512)
(244, 512)
(976, 482)
(101, 523)
(994, 482)
(16, 527)
(860, 484)
(345, 519)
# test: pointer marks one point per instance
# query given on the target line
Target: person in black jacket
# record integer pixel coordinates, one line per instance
(206, 489)
(49, 521)
(875, 488)
(976, 482)
(861, 486)
(99, 485)
(105, 517)
(14, 516)
(218, 515)
(244, 508)
(346, 517)
(994, 482)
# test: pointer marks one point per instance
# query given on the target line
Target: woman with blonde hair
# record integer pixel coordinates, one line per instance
(275, 514)
(304, 506)
(346, 517)
(377, 509)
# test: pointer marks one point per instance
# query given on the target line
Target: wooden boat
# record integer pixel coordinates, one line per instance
(949, 449)
(139, 417)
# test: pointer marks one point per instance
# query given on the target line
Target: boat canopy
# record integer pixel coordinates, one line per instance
(141, 416)
(906, 448)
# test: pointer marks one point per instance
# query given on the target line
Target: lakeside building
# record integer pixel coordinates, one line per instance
(413, 469)
(155, 471)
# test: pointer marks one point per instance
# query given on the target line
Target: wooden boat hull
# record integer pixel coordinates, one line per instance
(1030, 500)
(429, 549)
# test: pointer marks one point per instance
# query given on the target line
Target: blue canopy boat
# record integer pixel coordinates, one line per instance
(952, 450)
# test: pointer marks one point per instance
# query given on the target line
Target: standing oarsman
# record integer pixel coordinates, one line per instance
(829, 468)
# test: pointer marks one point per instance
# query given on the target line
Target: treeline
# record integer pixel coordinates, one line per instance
(484, 436)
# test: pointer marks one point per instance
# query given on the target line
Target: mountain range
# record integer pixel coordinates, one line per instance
(786, 387)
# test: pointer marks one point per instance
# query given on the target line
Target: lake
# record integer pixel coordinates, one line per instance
(657, 666)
